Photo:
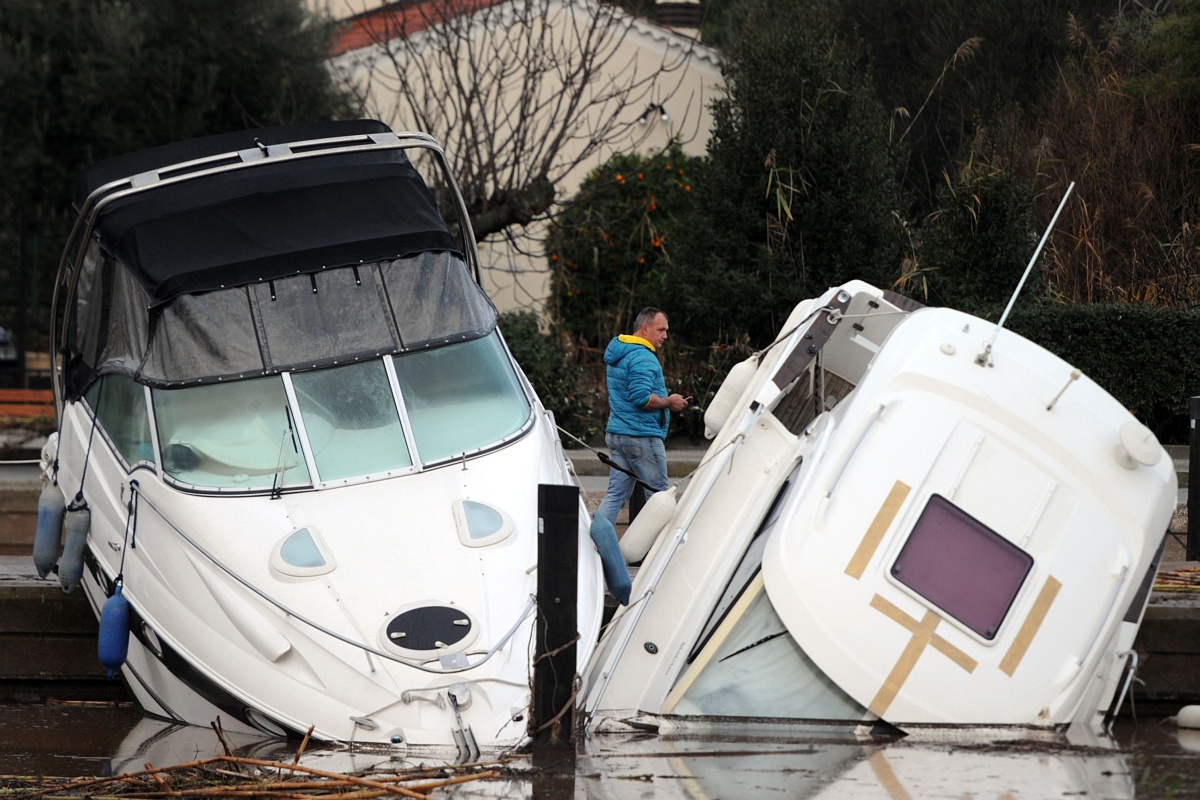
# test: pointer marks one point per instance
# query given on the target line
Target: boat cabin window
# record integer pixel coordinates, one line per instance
(351, 421)
(962, 566)
(455, 399)
(461, 397)
(120, 407)
(235, 435)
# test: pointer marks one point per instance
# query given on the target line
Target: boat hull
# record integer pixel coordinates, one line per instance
(216, 631)
(894, 522)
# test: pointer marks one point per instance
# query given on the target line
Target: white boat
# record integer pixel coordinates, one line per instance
(906, 514)
(299, 443)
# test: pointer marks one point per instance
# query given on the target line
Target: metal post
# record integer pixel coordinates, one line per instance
(552, 722)
(636, 501)
(1193, 499)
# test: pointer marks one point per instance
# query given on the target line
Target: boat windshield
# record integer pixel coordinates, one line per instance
(367, 419)
(351, 420)
(230, 435)
(461, 397)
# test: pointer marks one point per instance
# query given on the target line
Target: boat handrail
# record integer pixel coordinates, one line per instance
(837, 478)
(565, 466)
(530, 605)
(1108, 611)
(77, 242)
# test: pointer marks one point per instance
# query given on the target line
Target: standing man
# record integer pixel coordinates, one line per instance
(639, 410)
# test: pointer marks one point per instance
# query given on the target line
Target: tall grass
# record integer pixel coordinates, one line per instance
(1131, 234)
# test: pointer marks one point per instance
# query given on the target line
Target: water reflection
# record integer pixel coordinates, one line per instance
(816, 763)
(1146, 761)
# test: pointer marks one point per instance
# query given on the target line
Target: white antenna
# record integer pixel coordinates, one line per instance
(984, 359)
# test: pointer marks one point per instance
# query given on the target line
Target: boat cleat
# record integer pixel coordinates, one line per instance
(464, 738)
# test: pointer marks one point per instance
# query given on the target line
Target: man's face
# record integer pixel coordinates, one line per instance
(655, 331)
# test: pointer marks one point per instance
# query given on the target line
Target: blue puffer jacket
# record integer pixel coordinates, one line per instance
(633, 375)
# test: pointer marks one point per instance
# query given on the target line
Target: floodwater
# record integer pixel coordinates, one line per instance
(1147, 759)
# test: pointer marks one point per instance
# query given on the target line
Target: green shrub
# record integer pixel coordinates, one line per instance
(1146, 357)
(975, 248)
(801, 187)
(699, 372)
(608, 250)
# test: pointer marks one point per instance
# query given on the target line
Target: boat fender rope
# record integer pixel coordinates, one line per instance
(131, 509)
(79, 503)
(606, 459)
(78, 520)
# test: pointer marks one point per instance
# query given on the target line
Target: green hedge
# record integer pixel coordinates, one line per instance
(1146, 357)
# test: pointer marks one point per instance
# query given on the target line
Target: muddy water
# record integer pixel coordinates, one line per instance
(1146, 759)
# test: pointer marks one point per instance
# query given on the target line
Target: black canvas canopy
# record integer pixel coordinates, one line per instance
(307, 245)
(263, 222)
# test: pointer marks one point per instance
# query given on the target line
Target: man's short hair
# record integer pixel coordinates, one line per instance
(646, 316)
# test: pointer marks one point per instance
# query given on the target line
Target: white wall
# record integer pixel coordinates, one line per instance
(516, 279)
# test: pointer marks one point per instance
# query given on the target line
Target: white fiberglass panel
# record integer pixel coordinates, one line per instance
(461, 397)
(351, 420)
(236, 435)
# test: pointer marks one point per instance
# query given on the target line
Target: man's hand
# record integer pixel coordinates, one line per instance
(675, 402)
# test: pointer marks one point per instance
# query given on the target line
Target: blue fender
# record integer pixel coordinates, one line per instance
(70, 566)
(616, 574)
(113, 646)
(47, 542)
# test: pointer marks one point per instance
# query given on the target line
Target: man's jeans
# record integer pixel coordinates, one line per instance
(646, 457)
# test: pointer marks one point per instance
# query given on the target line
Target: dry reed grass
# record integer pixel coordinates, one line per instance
(1130, 235)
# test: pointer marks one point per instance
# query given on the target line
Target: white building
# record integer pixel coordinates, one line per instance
(474, 91)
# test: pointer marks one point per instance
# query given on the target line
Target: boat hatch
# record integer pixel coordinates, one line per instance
(479, 524)
(429, 630)
(961, 566)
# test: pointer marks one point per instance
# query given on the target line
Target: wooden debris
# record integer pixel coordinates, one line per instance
(1184, 579)
(235, 776)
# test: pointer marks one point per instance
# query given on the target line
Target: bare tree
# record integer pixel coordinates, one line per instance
(520, 93)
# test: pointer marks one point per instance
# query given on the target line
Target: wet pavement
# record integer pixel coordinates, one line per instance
(1147, 759)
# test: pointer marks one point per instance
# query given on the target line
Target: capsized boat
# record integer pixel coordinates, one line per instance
(295, 457)
(906, 514)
